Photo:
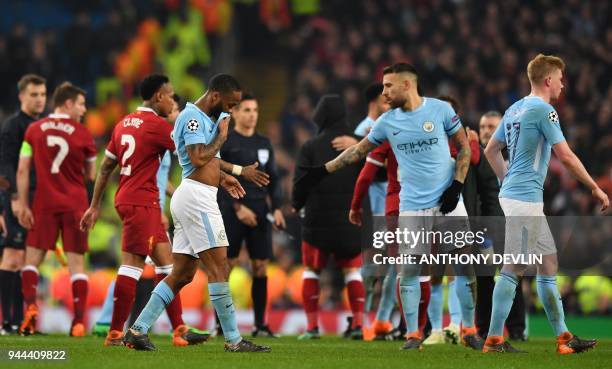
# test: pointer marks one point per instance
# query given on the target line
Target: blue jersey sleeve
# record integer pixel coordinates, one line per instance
(499, 134)
(550, 127)
(378, 133)
(452, 122)
(192, 127)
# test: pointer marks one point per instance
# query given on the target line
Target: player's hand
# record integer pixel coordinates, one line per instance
(16, 207)
(342, 143)
(471, 134)
(251, 174)
(165, 222)
(601, 197)
(279, 219)
(89, 219)
(232, 186)
(223, 126)
(355, 216)
(246, 216)
(26, 219)
(3, 229)
(450, 197)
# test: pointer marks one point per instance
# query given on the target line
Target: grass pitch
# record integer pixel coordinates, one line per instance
(289, 353)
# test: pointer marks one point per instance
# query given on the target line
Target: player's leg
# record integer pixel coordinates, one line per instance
(103, 322)
(356, 292)
(236, 232)
(382, 325)
(410, 295)
(80, 285)
(314, 260)
(29, 285)
(424, 283)
(11, 296)
(435, 308)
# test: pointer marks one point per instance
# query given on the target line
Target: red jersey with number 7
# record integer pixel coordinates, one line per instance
(138, 143)
(59, 148)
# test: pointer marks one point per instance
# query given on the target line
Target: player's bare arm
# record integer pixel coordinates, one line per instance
(496, 159)
(351, 155)
(201, 154)
(462, 163)
(571, 162)
(91, 215)
(24, 215)
(231, 185)
(90, 171)
(249, 172)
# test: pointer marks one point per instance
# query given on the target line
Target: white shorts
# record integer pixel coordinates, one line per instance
(198, 225)
(527, 230)
(432, 219)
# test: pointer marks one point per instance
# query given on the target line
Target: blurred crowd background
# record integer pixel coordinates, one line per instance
(290, 52)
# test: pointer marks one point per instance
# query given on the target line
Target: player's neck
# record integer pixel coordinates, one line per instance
(29, 114)
(60, 111)
(147, 104)
(413, 102)
(540, 93)
(244, 131)
(204, 103)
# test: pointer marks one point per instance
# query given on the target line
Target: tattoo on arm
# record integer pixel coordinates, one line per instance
(107, 167)
(462, 163)
(351, 155)
(201, 154)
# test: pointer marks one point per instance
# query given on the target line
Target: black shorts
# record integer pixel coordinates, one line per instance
(258, 240)
(16, 234)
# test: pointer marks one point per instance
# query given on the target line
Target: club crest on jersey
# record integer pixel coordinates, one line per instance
(553, 117)
(428, 126)
(263, 155)
(193, 125)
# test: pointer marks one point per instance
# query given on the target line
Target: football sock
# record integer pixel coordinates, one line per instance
(125, 291)
(553, 306)
(454, 307)
(174, 308)
(465, 294)
(434, 310)
(410, 295)
(161, 297)
(387, 296)
(17, 299)
(259, 294)
(356, 295)
(106, 315)
(424, 303)
(6, 295)
(79, 295)
(222, 301)
(310, 298)
(503, 295)
(29, 283)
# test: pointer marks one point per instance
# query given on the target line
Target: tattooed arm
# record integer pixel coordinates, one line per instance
(462, 163)
(352, 155)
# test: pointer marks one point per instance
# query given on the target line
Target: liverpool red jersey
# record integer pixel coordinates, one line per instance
(138, 143)
(60, 148)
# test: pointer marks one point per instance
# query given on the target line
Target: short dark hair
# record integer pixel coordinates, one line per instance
(400, 68)
(180, 101)
(224, 83)
(451, 100)
(64, 92)
(247, 96)
(28, 79)
(151, 84)
(373, 91)
(492, 114)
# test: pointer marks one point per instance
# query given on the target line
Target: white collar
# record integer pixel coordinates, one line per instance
(144, 108)
(59, 116)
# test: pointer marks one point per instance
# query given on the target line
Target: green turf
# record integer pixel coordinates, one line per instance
(289, 353)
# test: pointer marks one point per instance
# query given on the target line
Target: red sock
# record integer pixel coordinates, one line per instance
(356, 294)
(125, 292)
(423, 304)
(80, 285)
(310, 297)
(29, 284)
(174, 309)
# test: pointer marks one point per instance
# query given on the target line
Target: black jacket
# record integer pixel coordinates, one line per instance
(12, 132)
(481, 190)
(325, 223)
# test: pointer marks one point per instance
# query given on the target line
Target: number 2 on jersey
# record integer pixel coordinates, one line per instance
(128, 140)
(61, 153)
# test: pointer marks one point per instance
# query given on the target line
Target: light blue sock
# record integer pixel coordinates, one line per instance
(454, 307)
(410, 293)
(549, 295)
(222, 301)
(161, 296)
(465, 293)
(106, 315)
(434, 310)
(503, 295)
(387, 296)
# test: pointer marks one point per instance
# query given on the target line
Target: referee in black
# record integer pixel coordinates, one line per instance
(251, 218)
(32, 97)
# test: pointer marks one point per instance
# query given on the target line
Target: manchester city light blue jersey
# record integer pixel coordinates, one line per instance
(419, 140)
(192, 127)
(529, 128)
(363, 127)
(162, 177)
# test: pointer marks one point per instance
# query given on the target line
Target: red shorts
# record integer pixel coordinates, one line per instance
(142, 229)
(47, 226)
(314, 258)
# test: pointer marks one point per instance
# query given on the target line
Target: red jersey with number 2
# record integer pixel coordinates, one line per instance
(60, 147)
(138, 143)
